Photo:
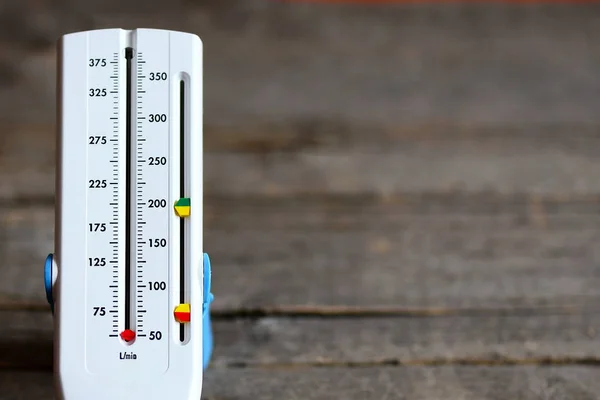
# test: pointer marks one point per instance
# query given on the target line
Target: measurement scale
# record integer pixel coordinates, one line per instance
(128, 281)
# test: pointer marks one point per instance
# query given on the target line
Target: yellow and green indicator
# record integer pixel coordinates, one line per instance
(183, 207)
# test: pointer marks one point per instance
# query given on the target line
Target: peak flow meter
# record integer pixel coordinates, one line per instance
(128, 281)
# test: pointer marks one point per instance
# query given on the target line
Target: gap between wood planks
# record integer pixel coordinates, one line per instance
(437, 362)
(352, 312)
(37, 356)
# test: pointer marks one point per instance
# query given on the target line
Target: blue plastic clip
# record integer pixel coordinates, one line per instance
(48, 281)
(207, 339)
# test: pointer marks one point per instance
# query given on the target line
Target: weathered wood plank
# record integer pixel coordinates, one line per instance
(441, 169)
(525, 383)
(26, 238)
(412, 251)
(542, 160)
(422, 251)
(376, 383)
(280, 60)
(26, 340)
(412, 341)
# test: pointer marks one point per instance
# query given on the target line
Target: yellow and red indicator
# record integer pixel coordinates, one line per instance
(182, 313)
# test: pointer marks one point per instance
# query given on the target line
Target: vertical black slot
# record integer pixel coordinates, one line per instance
(128, 166)
(182, 179)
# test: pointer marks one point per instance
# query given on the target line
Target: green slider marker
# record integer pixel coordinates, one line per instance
(183, 207)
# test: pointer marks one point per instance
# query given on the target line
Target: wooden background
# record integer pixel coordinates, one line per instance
(402, 202)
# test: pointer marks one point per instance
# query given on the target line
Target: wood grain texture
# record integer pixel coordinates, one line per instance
(412, 251)
(408, 252)
(26, 238)
(422, 251)
(553, 338)
(474, 340)
(382, 383)
(284, 61)
(406, 383)
(26, 341)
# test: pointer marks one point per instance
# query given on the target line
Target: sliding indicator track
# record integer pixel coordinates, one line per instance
(183, 213)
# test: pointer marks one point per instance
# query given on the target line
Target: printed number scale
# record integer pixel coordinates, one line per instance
(128, 281)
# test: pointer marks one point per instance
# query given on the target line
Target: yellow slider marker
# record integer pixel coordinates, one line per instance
(182, 313)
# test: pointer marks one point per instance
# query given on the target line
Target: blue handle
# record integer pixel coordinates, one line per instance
(48, 281)
(207, 338)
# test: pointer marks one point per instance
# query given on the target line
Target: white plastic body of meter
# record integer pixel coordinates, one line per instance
(128, 279)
